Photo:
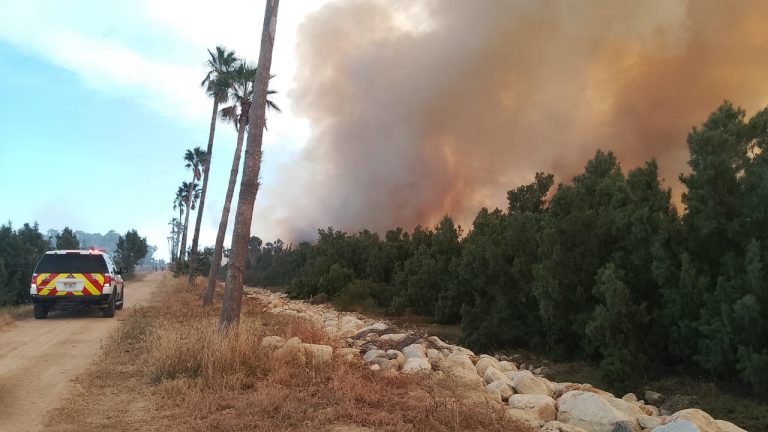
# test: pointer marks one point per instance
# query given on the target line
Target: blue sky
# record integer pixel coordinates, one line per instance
(100, 101)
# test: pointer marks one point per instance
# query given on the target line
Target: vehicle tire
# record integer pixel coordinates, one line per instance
(119, 305)
(109, 311)
(40, 311)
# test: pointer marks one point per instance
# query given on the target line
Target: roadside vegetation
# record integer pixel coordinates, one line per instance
(176, 372)
(602, 268)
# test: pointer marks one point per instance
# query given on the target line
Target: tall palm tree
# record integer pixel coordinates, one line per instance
(241, 94)
(249, 185)
(178, 203)
(215, 82)
(192, 192)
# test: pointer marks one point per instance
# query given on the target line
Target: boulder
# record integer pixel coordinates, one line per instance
(524, 382)
(597, 413)
(414, 351)
(502, 388)
(318, 353)
(417, 365)
(526, 417)
(348, 354)
(703, 421)
(379, 326)
(459, 368)
(384, 363)
(629, 397)
(678, 426)
(507, 366)
(542, 406)
(556, 426)
(436, 342)
(372, 354)
(375, 367)
(492, 374)
(396, 357)
(292, 351)
(728, 426)
(654, 398)
(650, 422)
(393, 337)
(272, 343)
(649, 410)
(483, 364)
(433, 355)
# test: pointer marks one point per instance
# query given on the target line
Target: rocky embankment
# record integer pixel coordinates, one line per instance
(522, 391)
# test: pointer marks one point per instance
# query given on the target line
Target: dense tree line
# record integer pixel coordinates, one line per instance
(602, 267)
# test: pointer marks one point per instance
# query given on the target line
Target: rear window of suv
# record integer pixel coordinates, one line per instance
(71, 263)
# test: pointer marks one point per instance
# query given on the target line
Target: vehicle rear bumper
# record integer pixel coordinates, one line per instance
(73, 302)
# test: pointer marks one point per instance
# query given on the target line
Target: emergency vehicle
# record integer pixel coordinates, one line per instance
(76, 279)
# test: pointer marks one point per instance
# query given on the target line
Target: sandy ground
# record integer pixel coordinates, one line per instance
(40, 358)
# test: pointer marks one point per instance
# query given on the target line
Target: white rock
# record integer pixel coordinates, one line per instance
(597, 413)
(556, 426)
(348, 354)
(272, 343)
(459, 368)
(653, 398)
(629, 397)
(293, 350)
(393, 337)
(543, 406)
(678, 426)
(396, 357)
(504, 390)
(728, 426)
(417, 365)
(492, 374)
(703, 421)
(483, 364)
(414, 351)
(507, 366)
(372, 354)
(524, 382)
(375, 367)
(526, 417)
(439, 344)
(649, 422)
(384, 363)
(318, 353)
(379, 326)
(433, 355)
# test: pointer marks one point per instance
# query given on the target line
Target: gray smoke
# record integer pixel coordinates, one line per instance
(419, 109)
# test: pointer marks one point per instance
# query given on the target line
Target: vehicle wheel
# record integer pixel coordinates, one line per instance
(109, 311)
(119, 305)
(40, 311)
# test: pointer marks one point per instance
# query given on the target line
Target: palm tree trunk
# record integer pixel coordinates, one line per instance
(186, 218)
(219, 247)
(201, 204)
(178, 233)
(249, 184)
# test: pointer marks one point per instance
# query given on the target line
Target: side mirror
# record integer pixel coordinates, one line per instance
(120, 270)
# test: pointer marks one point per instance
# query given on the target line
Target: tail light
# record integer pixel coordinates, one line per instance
(33, 284)
(107, 280)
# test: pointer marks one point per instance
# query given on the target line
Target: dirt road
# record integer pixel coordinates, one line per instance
(40, 358)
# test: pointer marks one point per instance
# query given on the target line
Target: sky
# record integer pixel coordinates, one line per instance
(102, 98)
(395, 112)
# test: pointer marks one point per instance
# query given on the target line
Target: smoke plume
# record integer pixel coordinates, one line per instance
(420, 109)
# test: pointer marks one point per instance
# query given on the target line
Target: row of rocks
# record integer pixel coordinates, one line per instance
(523, 390)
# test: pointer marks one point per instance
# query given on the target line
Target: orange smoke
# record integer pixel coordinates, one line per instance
(419, 109)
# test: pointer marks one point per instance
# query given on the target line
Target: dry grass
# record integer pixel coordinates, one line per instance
(11, 314)
(176, 372)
